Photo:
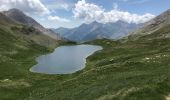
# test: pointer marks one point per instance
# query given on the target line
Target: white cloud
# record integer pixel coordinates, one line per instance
(63, 6)
(59, 5)
(56, 18)
(28, 6)
(91, 12)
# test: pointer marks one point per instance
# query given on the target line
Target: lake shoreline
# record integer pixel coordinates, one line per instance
(33, 68)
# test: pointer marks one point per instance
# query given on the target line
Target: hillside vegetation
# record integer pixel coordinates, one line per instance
(128, 69)
(121, 71)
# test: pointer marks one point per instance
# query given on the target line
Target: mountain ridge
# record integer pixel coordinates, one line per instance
(18, 16)
(96, 30)
(21, 31)
(153, 25)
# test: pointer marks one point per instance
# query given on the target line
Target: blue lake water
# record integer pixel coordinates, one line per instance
(64, 59)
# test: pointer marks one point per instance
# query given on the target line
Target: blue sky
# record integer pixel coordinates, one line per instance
(140, 7)
(72, 13)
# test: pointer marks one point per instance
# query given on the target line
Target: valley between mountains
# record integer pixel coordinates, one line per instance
(134, 66)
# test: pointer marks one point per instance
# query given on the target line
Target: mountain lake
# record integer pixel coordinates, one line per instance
(64, 59)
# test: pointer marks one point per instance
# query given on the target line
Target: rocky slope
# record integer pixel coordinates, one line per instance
(161, 22)
(20, 17)
(24, 32)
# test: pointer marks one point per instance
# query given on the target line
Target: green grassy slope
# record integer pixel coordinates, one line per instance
(133, 70)
(15, 54)
(25, 32)
(19, 46)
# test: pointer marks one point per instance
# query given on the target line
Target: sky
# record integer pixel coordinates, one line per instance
(72, 13)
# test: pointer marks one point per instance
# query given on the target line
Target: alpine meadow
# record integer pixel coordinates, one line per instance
(84, 50)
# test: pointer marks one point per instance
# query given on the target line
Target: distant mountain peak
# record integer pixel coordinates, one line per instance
(95, 30)
(95, 22)
(92, 23)
(20, 17)
(15, 10)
